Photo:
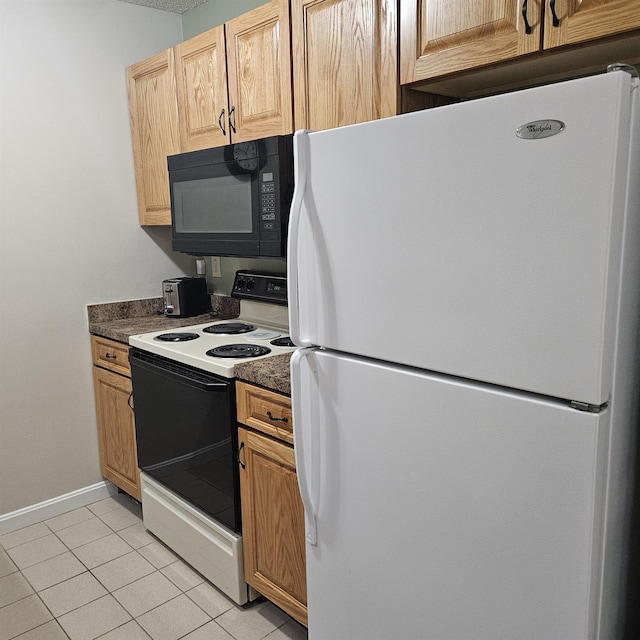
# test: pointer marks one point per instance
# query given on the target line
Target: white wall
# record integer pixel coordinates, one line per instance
(69, 234)
(214, 12)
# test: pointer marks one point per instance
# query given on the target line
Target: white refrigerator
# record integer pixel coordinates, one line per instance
(464, 283)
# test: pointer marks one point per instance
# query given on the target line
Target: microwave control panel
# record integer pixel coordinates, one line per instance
(268, 220)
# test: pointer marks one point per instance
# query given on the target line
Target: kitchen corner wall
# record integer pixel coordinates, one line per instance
(69, 233)
(214, 12)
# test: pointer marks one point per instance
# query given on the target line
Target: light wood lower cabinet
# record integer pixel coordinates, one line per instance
(272, 511)
(114, 413)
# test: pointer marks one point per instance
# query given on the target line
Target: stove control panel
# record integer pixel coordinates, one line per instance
(257, 285)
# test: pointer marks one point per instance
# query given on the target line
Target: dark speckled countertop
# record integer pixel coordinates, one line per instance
(119, 320)
(272, 373)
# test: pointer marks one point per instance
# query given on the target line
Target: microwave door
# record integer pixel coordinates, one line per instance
(215, 213)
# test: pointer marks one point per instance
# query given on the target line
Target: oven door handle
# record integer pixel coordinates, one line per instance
(174, 371)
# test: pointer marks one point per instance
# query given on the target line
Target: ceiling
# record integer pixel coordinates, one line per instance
(175, 6)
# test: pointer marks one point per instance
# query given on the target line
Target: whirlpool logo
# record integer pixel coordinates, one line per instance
(540, 129)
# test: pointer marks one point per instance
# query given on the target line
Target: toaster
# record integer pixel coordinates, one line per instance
(184, 297)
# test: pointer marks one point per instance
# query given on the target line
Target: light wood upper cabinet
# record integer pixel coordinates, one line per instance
(201, 83)
(228, 84)
(154, 131)
(344, 61)
(584, 20)
(440, 37)
(259, 72)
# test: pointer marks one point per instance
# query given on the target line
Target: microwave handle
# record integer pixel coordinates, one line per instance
(301, 163)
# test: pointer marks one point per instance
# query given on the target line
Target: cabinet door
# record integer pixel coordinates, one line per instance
(273, 522)
(344, 61)
(259, 72)
(582, 20)
(201, 83)
(116, 431)
(154, 130)
(444, 36)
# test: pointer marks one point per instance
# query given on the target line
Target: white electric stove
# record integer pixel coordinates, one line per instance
(261, 330)
(186, 430)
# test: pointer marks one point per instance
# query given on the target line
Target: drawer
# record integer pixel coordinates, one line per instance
(111, 354)
(265, 410)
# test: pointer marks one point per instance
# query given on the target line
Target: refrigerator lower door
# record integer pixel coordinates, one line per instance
(446, 510)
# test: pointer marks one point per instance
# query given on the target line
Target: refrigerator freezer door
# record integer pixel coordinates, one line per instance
(442, 240)
(446, 511)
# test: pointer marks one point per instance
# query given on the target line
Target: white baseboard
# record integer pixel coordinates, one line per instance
(55, 506)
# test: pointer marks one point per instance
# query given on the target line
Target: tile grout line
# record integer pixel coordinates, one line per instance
(183, 584)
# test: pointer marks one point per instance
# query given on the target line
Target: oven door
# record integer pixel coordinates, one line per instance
(186, 435)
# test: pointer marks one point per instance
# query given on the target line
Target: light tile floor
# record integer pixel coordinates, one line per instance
(95, 572)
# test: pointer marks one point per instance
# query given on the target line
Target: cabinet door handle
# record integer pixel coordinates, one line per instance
(276, 419)
(552, 6)
(527, 26)
(232, 119)
(224, 132)
(129, 399)
(110, 356)
(240, 448)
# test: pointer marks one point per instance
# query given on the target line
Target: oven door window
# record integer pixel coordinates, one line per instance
(185, 434)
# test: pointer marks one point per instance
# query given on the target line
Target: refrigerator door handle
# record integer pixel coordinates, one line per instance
(305, 431)
(301, 155)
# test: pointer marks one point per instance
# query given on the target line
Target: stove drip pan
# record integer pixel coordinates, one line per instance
(229, 328)
(285, 341)
(239, 351)
(176, 337)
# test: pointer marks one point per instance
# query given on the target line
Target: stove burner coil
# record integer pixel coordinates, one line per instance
(285, 341)
(229, 328)
(239, 351)
(176, 337)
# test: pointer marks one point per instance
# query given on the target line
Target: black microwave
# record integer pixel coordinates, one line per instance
(233, 200)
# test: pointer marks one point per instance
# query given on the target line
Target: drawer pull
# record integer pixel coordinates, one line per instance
(110, 356)
(242, 464)
(275, 419)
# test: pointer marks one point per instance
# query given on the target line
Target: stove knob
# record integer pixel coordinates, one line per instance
(250, 285)
(240, 283)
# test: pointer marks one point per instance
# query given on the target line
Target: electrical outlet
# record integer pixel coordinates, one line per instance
(215, 267)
